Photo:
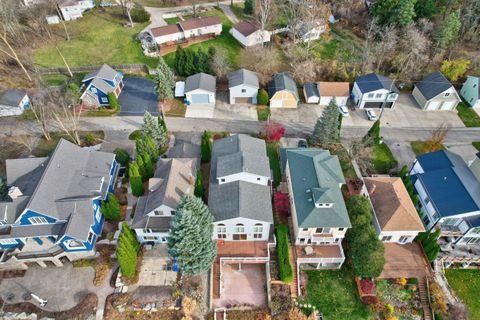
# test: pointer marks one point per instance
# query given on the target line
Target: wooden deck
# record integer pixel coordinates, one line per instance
(320, 251)
(405, 261)
(242, 249)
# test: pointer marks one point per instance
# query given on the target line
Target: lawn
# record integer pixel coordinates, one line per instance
(62, 79)
(167, 3)
(420, 147)
(476, 144)
(45, 147)
(176, 108)
(224, 43)
(274, 159)
(466, 284)
(172, 20)
(99, 37)
(334, 293)
(383, 159)
(342, 45)
(238, 11)
(469, 117)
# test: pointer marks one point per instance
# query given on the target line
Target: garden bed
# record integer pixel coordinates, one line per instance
(399, 298)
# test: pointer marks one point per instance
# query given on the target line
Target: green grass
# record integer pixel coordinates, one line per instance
(238, 11)
(476, 144)
(99, 37)
(166, 3)
(466, 284)
(100, 112)
(172, 20)
(224, 43)
(63, 79)
(469, 117)
(383, 159)
(343, 46)
(46, 147)
(420, 147)
(274, 159)
(263, 112)
(334, 293)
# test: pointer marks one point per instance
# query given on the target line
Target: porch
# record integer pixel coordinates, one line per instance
(320, 256)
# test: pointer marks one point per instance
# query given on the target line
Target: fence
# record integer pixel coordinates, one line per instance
(130, 67)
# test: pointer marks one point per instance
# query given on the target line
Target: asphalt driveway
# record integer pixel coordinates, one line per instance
(138, 95)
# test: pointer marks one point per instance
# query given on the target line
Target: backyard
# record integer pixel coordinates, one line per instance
(469, 117)
(466, 284)
(341, 45)
(99, 37)
(383, 159)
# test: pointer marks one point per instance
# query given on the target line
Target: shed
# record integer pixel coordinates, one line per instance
(179, 89)
(283, 91)
(243, 86)
(311, 93)
(13, 102)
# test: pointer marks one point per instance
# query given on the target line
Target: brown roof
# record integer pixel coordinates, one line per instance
(166, 30)
(199, 22)
(334, 89)
(393, 207)
(245, 27)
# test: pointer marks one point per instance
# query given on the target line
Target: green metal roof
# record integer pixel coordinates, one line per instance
(316, 176)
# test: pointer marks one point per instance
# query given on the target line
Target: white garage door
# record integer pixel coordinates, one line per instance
(276, 103)
(448, 105)
(200, 98)
(433, 105)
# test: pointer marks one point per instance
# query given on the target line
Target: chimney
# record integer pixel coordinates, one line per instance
(191, 179)
(372, 189)
(14, 193)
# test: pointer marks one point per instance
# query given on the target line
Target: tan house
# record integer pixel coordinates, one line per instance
(283, 91)
(396, 218)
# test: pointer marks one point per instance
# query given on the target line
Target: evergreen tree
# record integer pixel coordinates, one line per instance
(127, 250)
(405, 12)
(179, 63)
(394, 12)
(327, 127)
(190, 240)
(425, 9)
(249, 5)
(149, 167)
(206, 147)
(162, 123)
(373, 135)
(199, 189)
(263, 97)
(448, 31)
(383, 10)
(141, 167)
(135, 180)
(151, 128)
(189, 66)
(145, 144)
(111, 208)
(132, 237)
(122, 156)
(164, 80)
(3, 188)
(201, 61)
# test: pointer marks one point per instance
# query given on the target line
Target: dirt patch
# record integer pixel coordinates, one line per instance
(85, 309)
(115, 300)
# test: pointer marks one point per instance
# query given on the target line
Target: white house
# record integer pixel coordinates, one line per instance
(173, 179)
(374, 91)
(395, 217)
(74, 9)
(13, 102)
(203, 26)
(471, 91)
(243, 86)
(435, 92)
(249, 34)
(200, 89)
(319, 215)
(329, 90)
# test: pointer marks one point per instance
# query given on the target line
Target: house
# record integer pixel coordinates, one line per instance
(243, 86)
(13, 102)
(249, 34)
(374, 91)
(319, 215)
(200, 89)
(329, 90)
(52, 210)
(310, 92)
(74, 9)
(435, 92)
(470, 91)
(283, 91)
(173, 179)
(239, 199)
(395, 216)
(311, 32)
(99, 84)
(449, 195)
(205, 27)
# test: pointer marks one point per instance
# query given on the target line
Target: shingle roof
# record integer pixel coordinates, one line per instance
(199, 22)
(166, 30)
(105, 72)
(200, 81)
(433, 84)
(373, 82)
(392, 204)
(246, 28)
(334, 89)
(315, 176)
(28, 231)
(11, 97)
(184, 149)
(102, 85)
(311, 90)
(282, 81)
(243, 77)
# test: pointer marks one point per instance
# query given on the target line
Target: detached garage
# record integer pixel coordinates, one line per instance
(435, 92)
(200, 89)
(283, 91)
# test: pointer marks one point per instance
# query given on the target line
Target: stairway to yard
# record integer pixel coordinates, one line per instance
(294, 284)
(422, 290)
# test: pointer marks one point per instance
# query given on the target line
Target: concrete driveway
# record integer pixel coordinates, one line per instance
(200, 111)
(304, 113)
(138, 95)
(224, 110)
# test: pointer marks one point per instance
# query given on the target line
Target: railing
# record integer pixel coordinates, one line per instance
(429, 299)
(49, 254)
(320, 260)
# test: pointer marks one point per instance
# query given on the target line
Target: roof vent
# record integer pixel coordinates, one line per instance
(14, 193)
(309, 199)
(308, 191)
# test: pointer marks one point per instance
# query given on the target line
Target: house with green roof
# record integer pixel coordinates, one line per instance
(471, 91)
(319, 215)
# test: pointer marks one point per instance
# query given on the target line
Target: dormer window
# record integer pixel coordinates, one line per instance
(38, 220)
(323, 205)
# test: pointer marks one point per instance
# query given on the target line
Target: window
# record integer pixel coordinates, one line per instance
(75, 244)
(426, 220)
(221, 228)
(149, 238)
(258, 179)
(104, 99)
(239, 237)
(94, 90)
(474, 85)
(341, 229)
(322, 230)
(173, 212)
(38, 220)
(257, 236)
(221, 236)
(90, 236)
(244, 90)
(305, 229)
(370, 95)
(8, 241)
(435, 217)
(98, 214)
(426, 200)
(475, 230)
(258, 227)
(378, 95)
(386, 238)
(239, 228)
(404, 239)
(158, 212)
(222, 180)
(447, 94)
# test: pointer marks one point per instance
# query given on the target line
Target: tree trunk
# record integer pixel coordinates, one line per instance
(65, 62)
(194, 5)
(130, 18)
(13, 55)
(63, 23)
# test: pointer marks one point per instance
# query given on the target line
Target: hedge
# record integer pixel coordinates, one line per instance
(283, 254)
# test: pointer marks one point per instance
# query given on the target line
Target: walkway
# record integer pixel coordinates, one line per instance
(103, 292)
(228, 12)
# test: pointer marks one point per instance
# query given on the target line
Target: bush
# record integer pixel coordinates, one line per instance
(137, 134)
(263, 97)
(283, 254)
(111, 208)
(139, 14)
(113, 101)
(199, 188)
(206, 147)
(263, 112)
(89, 139)
(122, 156)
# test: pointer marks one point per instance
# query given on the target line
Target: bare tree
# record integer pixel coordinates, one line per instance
(43, 118)
(220, 65)
(129, 6)
(362, 153)
(264, 61)
(470, 20)
(55, 4)
(26, 140)
(413, 53)
(265, 7)
(68, 120)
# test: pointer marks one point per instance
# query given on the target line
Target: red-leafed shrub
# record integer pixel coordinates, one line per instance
(273, 131)
(367, 286)
(281, 203)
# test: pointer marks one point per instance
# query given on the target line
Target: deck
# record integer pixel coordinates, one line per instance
(405, 261)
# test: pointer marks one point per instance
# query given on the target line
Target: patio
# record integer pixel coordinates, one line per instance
(405, 261)
(156, 268)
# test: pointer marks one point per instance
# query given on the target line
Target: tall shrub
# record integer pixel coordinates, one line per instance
(199, 188)
(262, 97)
(206, 147)
(283, 254)
(127, 251)
(113, 101)
(111, 208)
(135, 180)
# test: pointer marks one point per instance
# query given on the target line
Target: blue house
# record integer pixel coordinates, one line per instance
(99, 84)
(52, 210)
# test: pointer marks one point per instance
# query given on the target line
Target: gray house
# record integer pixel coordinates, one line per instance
(435, 92)
(200, 89)
(243, 86)
(13, 102)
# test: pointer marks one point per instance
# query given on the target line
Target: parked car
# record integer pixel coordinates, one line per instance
(302, 144)
(343, 111)
(371, 115)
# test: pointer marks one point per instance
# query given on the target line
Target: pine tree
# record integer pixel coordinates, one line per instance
(448, 31)
(149, 168)
(141, 167)
(206, 147)
(189, 64)
(130, 234)
(164, 80)
(151, 128)
(3, 188)
(249, 5)
(145, 144)
(327, 127)
(373, 135)
(199, 188)
(179, 63)
(405, 12)
(127, 251)
(162, 123)
(201, 61)
(135, 180)
(190, 240)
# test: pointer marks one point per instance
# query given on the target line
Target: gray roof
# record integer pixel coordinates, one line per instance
(102, 85)
(28, 231)
(170, 183)
(105, 72)
(12, 97)
(315, 176)
(282, 81)
(200, 81)
(372, 82)
(184, 149)
(433, 84)
(311, 90)
(243, 77)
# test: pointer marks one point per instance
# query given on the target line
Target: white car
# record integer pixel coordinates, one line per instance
(343, 111)
(371, 115)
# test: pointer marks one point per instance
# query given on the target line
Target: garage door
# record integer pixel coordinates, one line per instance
(373, 105)
(447, 105)
(243, 100)
(433, 105)
(200, 98)
(276, 103)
